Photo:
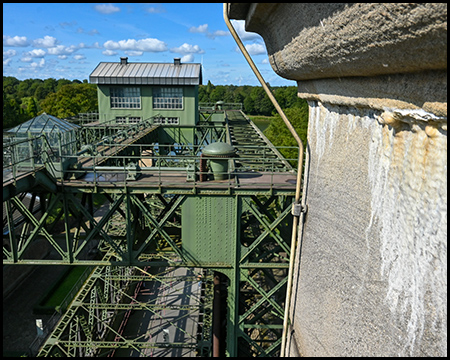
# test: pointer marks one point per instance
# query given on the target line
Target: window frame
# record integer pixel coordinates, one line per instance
(167, 121)
(169, 101)
(125, 96)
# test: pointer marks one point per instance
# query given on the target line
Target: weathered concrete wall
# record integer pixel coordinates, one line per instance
(371, 266)
(371, 279)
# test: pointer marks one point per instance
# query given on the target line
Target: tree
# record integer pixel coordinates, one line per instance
(262, 103)
(10, 84)
(279, 134)
(70, 100)
(60, 83)
(249, 106)
(50, 85)
(32, 107)
(217, 94)
(13, 114)
(41, 92)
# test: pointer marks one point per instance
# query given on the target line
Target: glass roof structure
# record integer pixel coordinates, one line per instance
(60, 135)
(44, 123)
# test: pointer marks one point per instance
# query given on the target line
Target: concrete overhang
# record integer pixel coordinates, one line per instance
(382, 54)
(313, 40)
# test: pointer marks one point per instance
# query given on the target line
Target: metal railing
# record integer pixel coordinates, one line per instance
(25, 156)
(177, 165)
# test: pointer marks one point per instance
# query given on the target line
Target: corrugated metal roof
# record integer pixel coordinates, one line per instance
(146, 74)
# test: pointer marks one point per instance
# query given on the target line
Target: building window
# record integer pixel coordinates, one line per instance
(167, 121)
(131, 119)
(168, 98)
(125, 97)
(134, 119)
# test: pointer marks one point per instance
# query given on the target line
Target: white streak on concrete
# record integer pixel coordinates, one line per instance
(323, 121)
(408, 174)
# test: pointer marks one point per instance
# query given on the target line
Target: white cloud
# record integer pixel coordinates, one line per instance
(92, 32)
(7, 56)
(9, 53)
(134, 53)
(220, 33)
(19, 41)
(239, 26)
(66, 23)
(62, 50)
(79, 57)
(188, 49)
(203, 29)
(47, 42)
(187, 58)
(109, 53)
(36, 53)
(255, 49)
(35, 65)
(147, 45)
(106, 8)
(95, 45)
(156, 10)
(199, 29)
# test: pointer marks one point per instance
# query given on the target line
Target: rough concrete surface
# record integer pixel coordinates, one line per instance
(421, 90)
(371, 279)
(323, 40)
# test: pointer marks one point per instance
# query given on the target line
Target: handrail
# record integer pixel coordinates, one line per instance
(174, 168)
(29, 157)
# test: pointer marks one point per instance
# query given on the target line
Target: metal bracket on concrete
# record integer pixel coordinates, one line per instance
(296, 209)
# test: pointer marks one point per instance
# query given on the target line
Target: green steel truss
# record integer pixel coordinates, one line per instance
(101, 319)
(128, 225)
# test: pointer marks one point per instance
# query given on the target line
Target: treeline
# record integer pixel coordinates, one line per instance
(24, 99)
(253, 98)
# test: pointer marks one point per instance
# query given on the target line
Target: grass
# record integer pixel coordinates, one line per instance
(262, 122)
(58, 295)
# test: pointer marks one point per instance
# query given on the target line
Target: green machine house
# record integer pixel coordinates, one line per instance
(166, 93)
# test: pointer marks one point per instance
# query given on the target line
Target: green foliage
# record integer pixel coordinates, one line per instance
(253, 98)
(24, 99)
(70, 100)
(279, 134)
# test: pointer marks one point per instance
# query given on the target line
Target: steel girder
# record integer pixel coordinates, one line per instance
(137, 229)
(257, 283)
(101, 320)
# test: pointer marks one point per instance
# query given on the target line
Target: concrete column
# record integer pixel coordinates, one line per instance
(371, 264)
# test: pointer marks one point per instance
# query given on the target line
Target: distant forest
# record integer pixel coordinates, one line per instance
(25, 99)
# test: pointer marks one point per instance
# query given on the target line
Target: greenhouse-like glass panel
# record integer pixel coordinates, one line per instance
(60, 139)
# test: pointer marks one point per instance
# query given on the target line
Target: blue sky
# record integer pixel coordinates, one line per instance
(68, 40)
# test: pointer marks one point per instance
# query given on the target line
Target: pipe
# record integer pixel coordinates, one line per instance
(299, 170)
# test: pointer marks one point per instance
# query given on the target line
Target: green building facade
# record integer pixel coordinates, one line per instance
(130, 92)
